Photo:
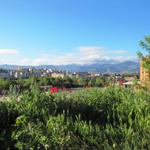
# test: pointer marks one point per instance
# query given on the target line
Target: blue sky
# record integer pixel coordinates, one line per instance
(71, 31)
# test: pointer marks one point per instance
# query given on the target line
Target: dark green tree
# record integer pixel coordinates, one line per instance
(4, 84)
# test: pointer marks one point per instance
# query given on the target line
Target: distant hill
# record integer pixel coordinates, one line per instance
(106, 67)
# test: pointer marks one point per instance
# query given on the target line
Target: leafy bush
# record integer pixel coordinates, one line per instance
(4, 85)
(8, 115)
(111, 118)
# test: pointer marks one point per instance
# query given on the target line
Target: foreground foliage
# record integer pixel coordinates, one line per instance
(95, 118)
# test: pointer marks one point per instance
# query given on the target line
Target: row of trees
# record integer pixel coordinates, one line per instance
(3, 70)
(67, 82)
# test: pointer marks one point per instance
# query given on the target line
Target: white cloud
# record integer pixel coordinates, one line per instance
(122, 58)
(8, 52)
(80, 55)
(9, 56)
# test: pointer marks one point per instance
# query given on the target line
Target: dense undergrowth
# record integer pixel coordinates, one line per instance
(111, 118)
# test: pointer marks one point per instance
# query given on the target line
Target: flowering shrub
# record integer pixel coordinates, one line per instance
(54, 90)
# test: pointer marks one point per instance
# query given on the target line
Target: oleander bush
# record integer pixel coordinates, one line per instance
(110, 118)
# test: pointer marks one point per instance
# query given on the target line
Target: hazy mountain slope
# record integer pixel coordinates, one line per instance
(128, 66)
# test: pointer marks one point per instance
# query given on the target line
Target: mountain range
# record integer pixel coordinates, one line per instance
(101, 67)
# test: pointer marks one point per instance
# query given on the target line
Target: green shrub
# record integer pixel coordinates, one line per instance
(8, 115)
(111, 118)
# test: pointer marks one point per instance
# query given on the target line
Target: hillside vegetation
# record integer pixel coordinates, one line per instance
(95, 118)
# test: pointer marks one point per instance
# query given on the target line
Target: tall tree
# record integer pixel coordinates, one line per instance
(145, 44)
(145, 60)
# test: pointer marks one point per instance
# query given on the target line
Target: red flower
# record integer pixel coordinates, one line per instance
(54, 90)
(63, 89)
